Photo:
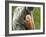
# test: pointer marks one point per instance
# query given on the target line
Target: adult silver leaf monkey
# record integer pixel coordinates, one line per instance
(18, 18)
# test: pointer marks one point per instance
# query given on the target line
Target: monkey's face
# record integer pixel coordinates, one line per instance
(29, 9)
(28, 17)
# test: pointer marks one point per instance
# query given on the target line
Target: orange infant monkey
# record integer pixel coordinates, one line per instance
(28, 19)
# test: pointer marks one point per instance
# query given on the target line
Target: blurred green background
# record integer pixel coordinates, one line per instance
(36, 16)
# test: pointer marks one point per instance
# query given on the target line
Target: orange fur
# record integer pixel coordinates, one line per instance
(29, 22)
